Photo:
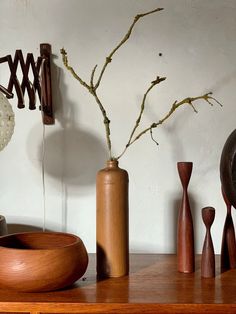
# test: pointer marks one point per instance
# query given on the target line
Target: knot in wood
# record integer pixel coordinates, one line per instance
(106, 121)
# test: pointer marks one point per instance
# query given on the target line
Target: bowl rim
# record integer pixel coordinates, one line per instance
(75, 237)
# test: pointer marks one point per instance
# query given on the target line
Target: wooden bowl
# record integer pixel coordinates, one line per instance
(41, 261)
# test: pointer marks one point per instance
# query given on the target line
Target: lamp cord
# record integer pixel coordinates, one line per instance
(43, 157)
(43, 179)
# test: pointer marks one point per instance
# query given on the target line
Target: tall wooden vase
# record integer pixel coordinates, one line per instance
(112, 221)
(185, 235)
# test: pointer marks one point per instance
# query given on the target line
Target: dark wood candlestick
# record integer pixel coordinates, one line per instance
(208, 255)
(185, 236)
(228, 246)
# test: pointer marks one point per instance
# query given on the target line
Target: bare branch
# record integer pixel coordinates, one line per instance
(142, 107)
(125, 38)
(72, 71)
(153, 139)
(90, 88)
(186, 101)
(106, 120)
(92, 76)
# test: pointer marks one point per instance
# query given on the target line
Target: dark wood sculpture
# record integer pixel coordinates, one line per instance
(228, 247)
(41, 83)
(228, 168)
(185, 235)
(208, 255)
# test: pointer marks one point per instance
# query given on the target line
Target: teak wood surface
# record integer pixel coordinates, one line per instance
(153, 286)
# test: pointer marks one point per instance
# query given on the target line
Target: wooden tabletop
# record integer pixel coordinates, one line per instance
(153, 286)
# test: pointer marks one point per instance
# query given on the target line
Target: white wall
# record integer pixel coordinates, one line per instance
(198, 46)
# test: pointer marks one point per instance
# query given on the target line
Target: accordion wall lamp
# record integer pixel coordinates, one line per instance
(40, 84)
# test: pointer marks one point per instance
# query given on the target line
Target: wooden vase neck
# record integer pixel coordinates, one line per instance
(112, 164)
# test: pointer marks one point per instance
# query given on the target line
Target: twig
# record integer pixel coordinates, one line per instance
(106, 121)
(92, 76)
(142, 107)
(69, 68)
(125, 38)
(153, 139)
(91, 89)
(186, 101)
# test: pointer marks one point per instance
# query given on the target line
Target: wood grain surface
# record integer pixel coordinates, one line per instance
(153, 286)
(41, 261)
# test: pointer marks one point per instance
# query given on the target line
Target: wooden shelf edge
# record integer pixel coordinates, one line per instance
(147, 308)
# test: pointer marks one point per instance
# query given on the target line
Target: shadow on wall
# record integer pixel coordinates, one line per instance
(72, 155)
(16, 228)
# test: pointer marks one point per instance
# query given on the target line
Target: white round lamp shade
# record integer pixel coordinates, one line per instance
(7, 121)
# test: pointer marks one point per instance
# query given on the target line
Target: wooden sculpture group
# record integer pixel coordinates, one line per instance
(185, 234)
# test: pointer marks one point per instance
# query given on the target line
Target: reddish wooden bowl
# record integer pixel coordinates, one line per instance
(41, 261)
